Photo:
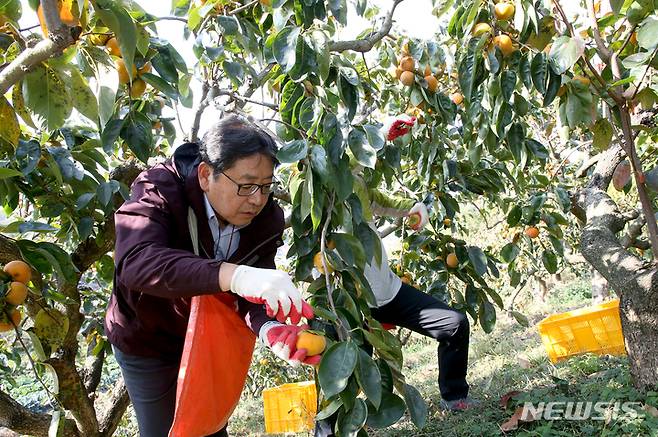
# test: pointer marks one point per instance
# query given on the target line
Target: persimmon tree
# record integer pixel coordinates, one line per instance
(487, 95)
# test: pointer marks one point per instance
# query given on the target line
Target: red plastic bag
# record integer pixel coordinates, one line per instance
(213, 370)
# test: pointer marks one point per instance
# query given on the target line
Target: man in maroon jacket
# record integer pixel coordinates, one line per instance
(224, 185)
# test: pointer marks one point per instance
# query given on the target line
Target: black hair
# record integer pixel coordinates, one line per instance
(234, 138)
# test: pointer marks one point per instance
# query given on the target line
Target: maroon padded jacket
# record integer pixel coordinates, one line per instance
(156, 271)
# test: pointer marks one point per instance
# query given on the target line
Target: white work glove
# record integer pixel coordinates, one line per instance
(421, 210)
(282, 340)
(274, 289)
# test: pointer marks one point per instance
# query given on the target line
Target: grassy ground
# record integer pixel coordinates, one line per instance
(511, 358)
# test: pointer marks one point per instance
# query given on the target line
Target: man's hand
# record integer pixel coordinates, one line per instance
(282, 340)
(420, 210)
(274, 289)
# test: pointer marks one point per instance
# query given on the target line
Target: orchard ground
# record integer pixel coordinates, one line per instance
(511, 358)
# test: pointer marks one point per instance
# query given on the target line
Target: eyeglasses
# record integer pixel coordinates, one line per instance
(249, 189)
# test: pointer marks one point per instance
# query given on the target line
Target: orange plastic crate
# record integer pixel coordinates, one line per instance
(595, 329)
(290, 407)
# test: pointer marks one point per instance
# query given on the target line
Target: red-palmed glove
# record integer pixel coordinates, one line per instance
(423, 215)
(272, 288)
(399, 127)
(295, 317)
(282, 340)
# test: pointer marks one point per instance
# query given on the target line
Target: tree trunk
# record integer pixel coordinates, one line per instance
(600, 289)
(635, 280)
(639, 319)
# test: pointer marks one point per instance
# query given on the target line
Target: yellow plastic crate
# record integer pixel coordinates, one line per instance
(595, 329)
(290, 407)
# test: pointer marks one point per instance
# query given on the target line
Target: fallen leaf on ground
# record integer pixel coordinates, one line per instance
(524, 362)
(517, 418)
(651, 410)
(504, 399)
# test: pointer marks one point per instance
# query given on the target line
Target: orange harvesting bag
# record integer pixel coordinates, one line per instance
(213, 370)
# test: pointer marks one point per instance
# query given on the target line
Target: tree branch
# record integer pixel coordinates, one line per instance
(604, 52)
(21, 420)
(111, 416)
(203, 104)
(366, 44)
(389, 228)
(59, 38)
(638, 175)
(74, 397)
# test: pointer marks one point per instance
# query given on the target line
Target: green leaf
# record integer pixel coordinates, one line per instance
(369, 378)
(308, 114)
(478, 259)
(323, 57)
(106, 190)
(9, 128)
(290, 95)
(636, 60)
(336, 367)
(117, 18)
(160, 84)
(69, 168)
(9, 173)
(375, 136)
(487, 316)
(320, 164)
(234, 71)
(647, 36)
(602, 134)
(416, 405)
(228, 24)
(389, 412)
(138, 134)
(364, 153)
(83, 99)
(293, 151)
(468, 69)
(507, 84)
(329, 410)
(539, 71)
(349, 94)
(515, 141)
(284, 47)
(349, 249)
(106, 97)
(514, 216)
(549, 259)
(521, 319)
(509, 252)
(564, 53)
(578, 106)
(63, 263)
(19, 104)
(338, 9)
(525, 72)
(47, 97)
(349, 423)
(143, 40)
(28, 155)
(110, 134)
(554, 84)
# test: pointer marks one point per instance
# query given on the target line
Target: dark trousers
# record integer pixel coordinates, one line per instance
(151, 385)
(426, 315)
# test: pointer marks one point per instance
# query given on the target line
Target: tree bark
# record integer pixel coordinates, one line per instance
(634, 279)
(600, 289)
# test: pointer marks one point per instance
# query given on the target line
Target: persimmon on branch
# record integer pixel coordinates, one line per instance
(59, 38)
